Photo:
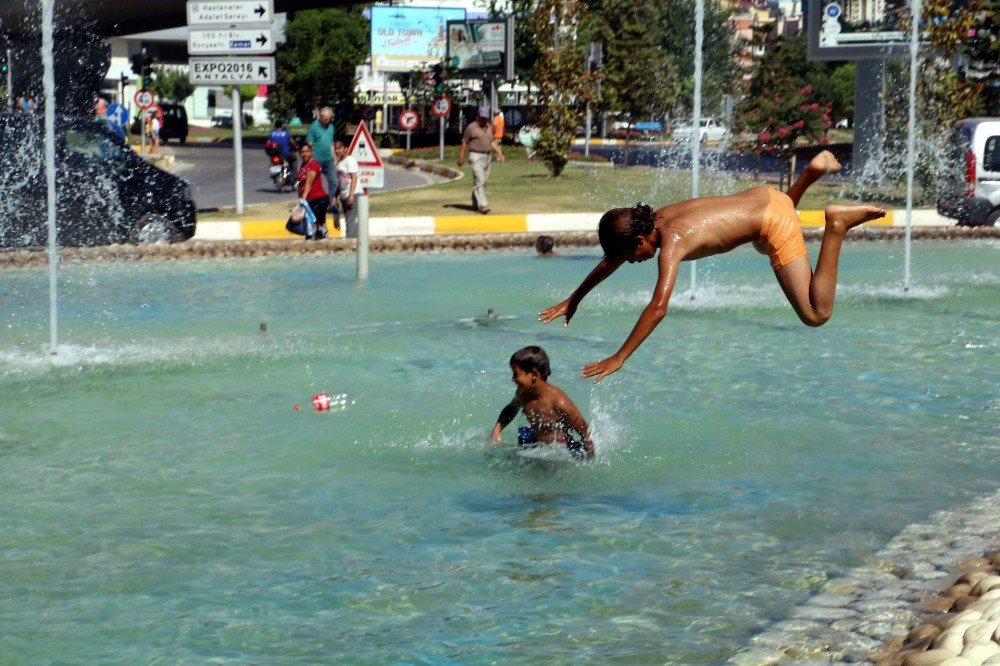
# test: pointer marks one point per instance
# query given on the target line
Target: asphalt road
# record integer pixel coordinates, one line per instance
(209, 168)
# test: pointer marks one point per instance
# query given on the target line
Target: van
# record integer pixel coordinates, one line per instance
(971, 192)
(175, 123)
(105, 192)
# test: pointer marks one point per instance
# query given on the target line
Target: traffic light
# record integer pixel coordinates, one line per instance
(439, 77)
(142, 67)
(136, 64)
(4, 67)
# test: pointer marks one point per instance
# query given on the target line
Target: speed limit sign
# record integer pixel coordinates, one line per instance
(144, 98)
(442, 107)
(408, 120)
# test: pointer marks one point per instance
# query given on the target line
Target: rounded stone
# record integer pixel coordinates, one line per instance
(985, 585)
(937, 604)
(928, 658)
(972, 577)
(980, 632)
(959, 590)
(961, 603)
(921, 632)
(979, 652)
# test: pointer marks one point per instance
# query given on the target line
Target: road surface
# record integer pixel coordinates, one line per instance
(209, 168)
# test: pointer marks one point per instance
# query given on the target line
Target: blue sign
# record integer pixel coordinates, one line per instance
(117, 119)
(408, 38)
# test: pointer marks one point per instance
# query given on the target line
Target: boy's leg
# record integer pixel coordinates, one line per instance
(812, 293)
(820, 165)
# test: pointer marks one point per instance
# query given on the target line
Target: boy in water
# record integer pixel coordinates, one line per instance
(549, 411)
(705, 226)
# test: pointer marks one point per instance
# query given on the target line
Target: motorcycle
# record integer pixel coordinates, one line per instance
(282, 171)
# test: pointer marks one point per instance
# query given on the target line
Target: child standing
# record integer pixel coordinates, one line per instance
(550, 412)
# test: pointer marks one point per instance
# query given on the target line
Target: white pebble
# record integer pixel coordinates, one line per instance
(985, 585)
(958, 661)
(980, 632)
(950, 640)
(992, 661)
(968, 615)
(980, 652)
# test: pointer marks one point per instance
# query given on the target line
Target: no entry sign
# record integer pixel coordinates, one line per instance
(144, 98)
(442, 107)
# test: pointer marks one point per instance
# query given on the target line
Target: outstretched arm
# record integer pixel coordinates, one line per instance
(568, 307)
(651, 316)
(574, 419)
(507, 415)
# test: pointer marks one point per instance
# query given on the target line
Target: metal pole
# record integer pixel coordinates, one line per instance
(586, 131)
(407, 139)
(362, 204)
(238, 146)
(142, 130)
(49, 86)
(385, 103)
(699, 38)
(911, 139)
(10, 83)
(441, 139)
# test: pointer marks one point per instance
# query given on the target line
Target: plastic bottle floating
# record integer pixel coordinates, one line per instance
(324, 402)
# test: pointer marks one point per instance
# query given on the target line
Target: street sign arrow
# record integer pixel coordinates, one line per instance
(235, 41)
(231, 71)
(229, 12)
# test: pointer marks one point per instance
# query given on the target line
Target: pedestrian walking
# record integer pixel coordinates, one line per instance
(498, 125)
(477, 141)
(26, 104)
(154, 131)
(320, 136)
(311, 190)
(347, 181)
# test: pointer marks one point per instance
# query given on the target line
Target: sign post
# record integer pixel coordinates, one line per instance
(371, 173)
(408, 120)
(231, 28)
(441, 109)
(143, 99)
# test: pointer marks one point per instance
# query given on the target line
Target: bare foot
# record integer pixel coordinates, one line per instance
(824, 163)
(841, 218)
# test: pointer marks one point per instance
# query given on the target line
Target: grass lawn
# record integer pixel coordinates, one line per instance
(523, 186)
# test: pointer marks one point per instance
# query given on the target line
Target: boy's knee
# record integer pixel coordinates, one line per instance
(815, 319)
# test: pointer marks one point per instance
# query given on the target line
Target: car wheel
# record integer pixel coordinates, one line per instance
(156, 229)
(183, 139)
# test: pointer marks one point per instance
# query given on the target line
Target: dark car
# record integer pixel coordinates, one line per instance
(175, 123)
(105, 192)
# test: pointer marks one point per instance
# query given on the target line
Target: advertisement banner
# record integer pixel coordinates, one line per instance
(477, 46)
(407, 38)
(858, 30)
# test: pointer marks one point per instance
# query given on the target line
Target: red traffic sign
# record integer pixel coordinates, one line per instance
(362, 148)
(156, 110)
(144, 98)
(442, 107)
(409, 120)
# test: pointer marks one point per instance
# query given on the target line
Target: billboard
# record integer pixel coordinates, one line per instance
(481, 47)
(407, 38)
(857, 29)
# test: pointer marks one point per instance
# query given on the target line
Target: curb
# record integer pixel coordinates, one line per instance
(199, 249)
(535, 223)
(442, 171)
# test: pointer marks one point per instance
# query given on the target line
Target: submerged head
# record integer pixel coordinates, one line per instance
(628, 233)
(529, 365)
(544, 244)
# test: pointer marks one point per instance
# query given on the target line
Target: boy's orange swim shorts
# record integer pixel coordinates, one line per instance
(781, 231)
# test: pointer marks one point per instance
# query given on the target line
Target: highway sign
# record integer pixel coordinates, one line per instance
(408, 120)
(442, 107)
(231, 71)
(144, 98)
(371, 173)
(236, 41)
(230, 12)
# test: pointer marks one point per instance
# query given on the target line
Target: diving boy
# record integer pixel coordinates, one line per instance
(701, 227)
(550, 412)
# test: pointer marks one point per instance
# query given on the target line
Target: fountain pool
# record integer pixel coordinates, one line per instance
(163, 501)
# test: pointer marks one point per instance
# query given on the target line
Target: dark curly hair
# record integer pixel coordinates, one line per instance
(532, 358)
(619, 228)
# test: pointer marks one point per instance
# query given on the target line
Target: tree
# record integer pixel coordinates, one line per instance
(639, 80)
(317, 63)
(841, 89)
(563, 85)
(172, 85)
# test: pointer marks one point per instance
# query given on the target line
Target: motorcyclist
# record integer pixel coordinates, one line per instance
(284, 143)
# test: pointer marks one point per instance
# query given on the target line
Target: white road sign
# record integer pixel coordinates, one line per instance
(144, 98)
(231, 42)
(231, 71)
(230, 12)
(371, 174)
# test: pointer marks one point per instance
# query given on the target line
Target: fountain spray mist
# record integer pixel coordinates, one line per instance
(49, 86)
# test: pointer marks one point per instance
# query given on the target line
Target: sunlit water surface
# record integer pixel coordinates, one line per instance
(163, 501)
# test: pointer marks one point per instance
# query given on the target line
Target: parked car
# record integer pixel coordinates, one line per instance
(971, 192)
(709, 129)
(105, 192)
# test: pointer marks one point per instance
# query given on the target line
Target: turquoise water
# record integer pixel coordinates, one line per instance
(162, 500)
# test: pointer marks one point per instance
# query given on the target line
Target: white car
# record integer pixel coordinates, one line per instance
(971, 191)
(709, 129)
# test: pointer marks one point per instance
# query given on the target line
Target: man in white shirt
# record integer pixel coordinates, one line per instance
(347, 179)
